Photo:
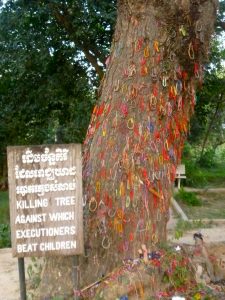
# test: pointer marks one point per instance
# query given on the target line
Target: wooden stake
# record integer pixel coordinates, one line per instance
(22, 278)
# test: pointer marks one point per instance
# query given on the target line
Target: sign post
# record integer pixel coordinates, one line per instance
(46, 208)
(22, 279)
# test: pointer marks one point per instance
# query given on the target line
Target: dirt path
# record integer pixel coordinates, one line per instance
(210, 235)
(9, 278)
(9, 275)
(210, 190)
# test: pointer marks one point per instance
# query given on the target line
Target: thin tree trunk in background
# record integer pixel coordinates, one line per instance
(138, 128)
(208, 130)
(218, 105)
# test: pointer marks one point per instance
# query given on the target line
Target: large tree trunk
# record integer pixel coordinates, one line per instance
(139, 126)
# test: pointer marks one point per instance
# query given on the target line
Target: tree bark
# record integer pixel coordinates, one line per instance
(137, 131)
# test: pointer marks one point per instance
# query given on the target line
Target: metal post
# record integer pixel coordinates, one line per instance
(22, 278)
(178, 184)
(75, 274)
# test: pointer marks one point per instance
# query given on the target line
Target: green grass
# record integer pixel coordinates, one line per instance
(213, 206)
(215, 177)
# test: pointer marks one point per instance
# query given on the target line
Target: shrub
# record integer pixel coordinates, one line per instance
(4, 208)
(220, 154)
(207, 159)
(188, 198)
(195, 176)
(5, 238)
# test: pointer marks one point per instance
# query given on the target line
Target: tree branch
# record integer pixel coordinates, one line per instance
(64, 21)
(220, 24)
(93, 61)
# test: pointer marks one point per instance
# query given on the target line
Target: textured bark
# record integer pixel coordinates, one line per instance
(137, 131)
(139, 126)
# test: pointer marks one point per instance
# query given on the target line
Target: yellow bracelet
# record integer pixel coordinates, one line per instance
(130, 123)
(93, 200)
(191, 52)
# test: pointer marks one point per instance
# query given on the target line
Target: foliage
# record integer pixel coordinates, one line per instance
(207, 132)
(206, 124)
(207, 159)
(4, 207)
(188, 198)
(194, 175)
(209, 171)
(214, 174)
(47, 81)
(42, 88)
(220, 154)
(5, 238)
(220, 17)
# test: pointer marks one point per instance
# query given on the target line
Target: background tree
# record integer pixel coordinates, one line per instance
(206, 125)
(206, 132)
(47, 84)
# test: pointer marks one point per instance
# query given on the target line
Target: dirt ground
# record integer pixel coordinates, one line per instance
(9, 278)
(9, 283)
